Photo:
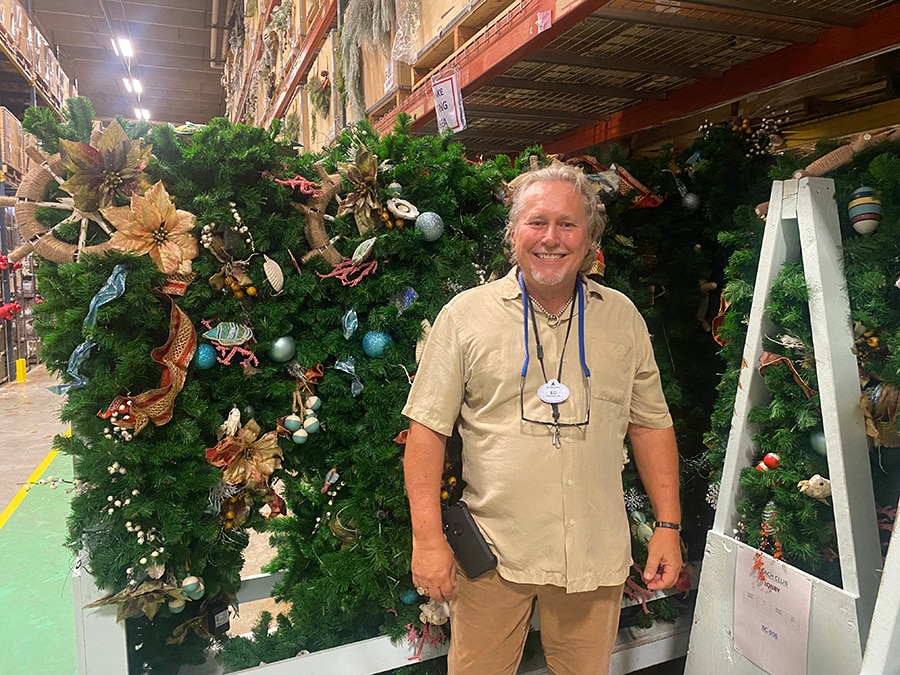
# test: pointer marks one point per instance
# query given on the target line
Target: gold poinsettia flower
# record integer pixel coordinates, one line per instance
(115, 168)
(147, 599)
(153, 225)
(363, 201)
(248, 458)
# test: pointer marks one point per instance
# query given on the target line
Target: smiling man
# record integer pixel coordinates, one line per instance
(544, 373)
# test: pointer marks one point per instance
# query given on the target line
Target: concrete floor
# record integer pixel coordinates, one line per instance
(37, 621)
(28, 422)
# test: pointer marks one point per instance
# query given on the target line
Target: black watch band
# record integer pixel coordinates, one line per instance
(668, 526)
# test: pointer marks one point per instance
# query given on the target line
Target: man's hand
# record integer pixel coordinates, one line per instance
(663, 559)
(434, 570)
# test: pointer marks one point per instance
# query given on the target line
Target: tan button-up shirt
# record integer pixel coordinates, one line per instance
(552, 515)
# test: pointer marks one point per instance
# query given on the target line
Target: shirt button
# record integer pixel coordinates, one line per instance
(572, 522)
(568, 439)
(570, 482)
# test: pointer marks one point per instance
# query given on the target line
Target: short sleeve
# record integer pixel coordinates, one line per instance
(439, 384)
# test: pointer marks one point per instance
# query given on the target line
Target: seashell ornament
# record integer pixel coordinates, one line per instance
(273, 273)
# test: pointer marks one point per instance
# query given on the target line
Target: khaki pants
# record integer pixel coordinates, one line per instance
(491, 616)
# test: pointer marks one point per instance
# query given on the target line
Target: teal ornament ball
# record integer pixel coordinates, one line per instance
(299, 437)
(283, 349)
(313, 403)
(817, 440)
(430, 226)
(205, 356)
(409, 596)
(293, 422)
(311, 425)
(375, 342)
(198, 593)
(395, 189)
(190, 584)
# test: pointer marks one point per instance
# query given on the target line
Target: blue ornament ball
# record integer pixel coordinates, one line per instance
(205, 356)
(375, 342)
(283, 349)
(430, 226)
(409, 596)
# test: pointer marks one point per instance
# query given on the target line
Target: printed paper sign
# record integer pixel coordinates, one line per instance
(771, 614)
(448, 103)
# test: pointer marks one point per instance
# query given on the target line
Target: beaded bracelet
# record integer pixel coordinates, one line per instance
(669, 526)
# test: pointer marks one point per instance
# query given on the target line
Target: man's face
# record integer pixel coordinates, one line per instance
(551, 237)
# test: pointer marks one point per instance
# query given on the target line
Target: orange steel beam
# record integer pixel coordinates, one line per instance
(876, 34)
(303, 56)
(498, 47)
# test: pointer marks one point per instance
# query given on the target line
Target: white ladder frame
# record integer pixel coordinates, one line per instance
(802, 224)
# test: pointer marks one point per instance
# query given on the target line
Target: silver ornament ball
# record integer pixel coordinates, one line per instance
(283, 349)
(690, 201)
(430, 226)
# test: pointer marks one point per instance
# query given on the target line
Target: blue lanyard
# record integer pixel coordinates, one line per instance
(525, 305)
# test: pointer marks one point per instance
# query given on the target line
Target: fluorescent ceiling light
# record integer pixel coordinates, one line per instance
(115, 46)
(127, 82)
(125, 48)
(142, 113)
(136, 85)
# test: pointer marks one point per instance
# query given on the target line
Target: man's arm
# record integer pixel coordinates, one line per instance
(656, 457)
(433, 564)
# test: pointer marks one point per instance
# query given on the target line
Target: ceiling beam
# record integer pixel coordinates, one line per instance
(528, 114)
(626, 65)
(68, 29)
(782, 9)
(876, 35)
(695, 24)
(494, 50)
(489, 133)
(579, 89)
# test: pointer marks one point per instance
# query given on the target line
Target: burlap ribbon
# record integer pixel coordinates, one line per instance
(133, 412)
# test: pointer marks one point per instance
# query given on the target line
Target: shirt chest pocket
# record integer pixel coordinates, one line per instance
(612, 372)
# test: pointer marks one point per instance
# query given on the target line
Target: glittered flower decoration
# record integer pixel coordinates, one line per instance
(114, 168)
(153, 225)
(248, 458)
(363, 201)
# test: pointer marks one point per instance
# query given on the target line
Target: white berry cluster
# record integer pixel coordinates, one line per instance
(117, 503)
(120, 413)
(115, 468)
(240, 228)
(148, 538)
(53, 482)
(206, 235)
(332, 493)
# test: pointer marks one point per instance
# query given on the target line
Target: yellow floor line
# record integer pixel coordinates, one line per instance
(33, 478)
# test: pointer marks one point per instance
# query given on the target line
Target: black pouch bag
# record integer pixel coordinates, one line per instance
(468, 544)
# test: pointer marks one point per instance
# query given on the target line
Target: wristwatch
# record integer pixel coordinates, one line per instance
(668, 526)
